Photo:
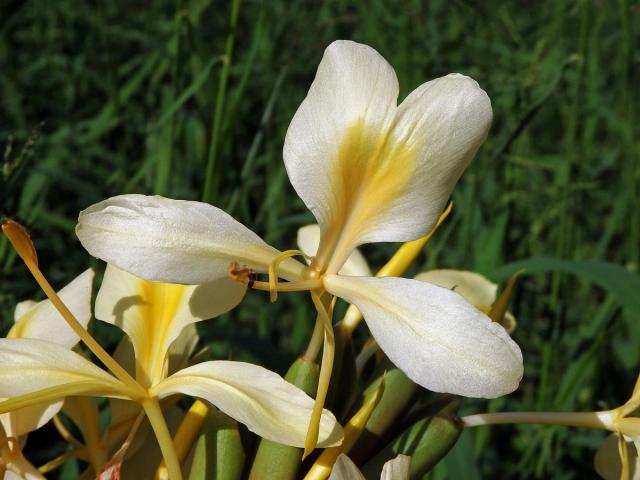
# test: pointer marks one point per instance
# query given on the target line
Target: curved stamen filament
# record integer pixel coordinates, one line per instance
(324, 304)
(273, 271)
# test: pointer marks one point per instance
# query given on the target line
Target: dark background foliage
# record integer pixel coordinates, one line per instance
(192, 99)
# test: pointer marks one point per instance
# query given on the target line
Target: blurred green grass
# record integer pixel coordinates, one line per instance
(191, 99)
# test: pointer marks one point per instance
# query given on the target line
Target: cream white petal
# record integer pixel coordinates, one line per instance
(22, 308)
(42, 321)
(309, 240)
(436, 337)
(475, 288)
(442, 123)
(30, 366)
(607, 460)
(174, 241)
(354, 83)
(24, 420)
(262, 400)
(397, 469)
(154, 314)
(345, 469)
(372, 171)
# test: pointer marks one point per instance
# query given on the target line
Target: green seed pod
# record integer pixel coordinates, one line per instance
(426, 442)
(218, 451)
(274, 460)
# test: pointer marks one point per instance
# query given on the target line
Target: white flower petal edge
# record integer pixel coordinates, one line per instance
(436, 337)
(309, 240)
(25, 420)
(476, 289)
(154, 314)
(345, 469)
(173, 241)
(42, 321)
(607, 460)
(371, 171)
(30, 366)
(398, 468)
(262, 400)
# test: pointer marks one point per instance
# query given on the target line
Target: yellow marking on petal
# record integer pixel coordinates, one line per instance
(397, 265)
(185, 436)
(322, 467)
(19, 329)
(160, 303)
(370, 171)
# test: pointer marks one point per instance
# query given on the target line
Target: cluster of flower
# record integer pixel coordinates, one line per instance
(370, 171)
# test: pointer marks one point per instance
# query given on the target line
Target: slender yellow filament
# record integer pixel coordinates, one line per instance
(23, 245)
(324, 305)
(273, 271)
(623, 451)
(66, 434)
(321, 469)
(58, 461)
(186, 434)
(159, 425)
(317, 339)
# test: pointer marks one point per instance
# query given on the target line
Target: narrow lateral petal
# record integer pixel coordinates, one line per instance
(154, 314)
(42, 320)
(309, 240)
(436, 337)
(174, 241)
(262, 400)
(474, 288)
(31, 366)
(345, 469)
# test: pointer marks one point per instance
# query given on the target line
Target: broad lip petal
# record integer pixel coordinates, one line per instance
(372, 171)
(436, 337)
(154, 314)
(174, 241)
(42, 321)
(262, 400)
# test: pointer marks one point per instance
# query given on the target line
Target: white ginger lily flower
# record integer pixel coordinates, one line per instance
(37, 321)
(154, 315)
(370, 171)
(39, 372)
(398, 468)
